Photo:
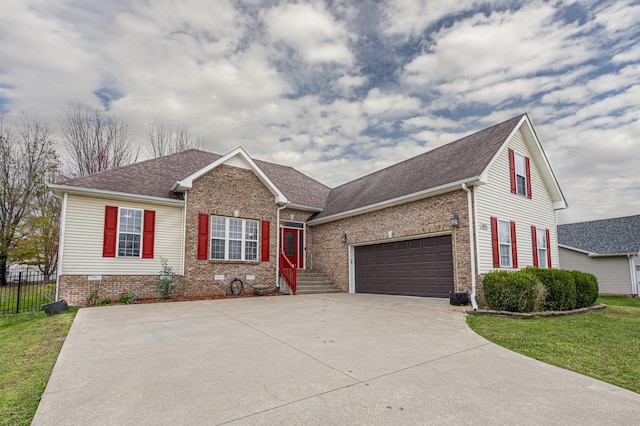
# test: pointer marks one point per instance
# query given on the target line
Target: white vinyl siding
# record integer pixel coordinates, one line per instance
(494, 199)
(84, 235)
(613, 272)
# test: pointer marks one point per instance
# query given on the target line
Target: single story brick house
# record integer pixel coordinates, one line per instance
(424, 227)
(607, 248)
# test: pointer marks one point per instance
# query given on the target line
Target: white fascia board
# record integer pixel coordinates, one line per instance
(186, 183)
(575, 249)
(592, 254)
(305, 208)
(397, 201)
(76, 190)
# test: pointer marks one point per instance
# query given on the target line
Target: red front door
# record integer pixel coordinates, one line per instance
(292, 244)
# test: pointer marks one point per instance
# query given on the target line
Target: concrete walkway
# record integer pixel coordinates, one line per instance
(317, 359)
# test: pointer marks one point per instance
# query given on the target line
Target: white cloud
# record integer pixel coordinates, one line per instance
(311, 30)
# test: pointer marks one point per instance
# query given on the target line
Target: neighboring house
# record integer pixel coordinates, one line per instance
(608, 249)
(403, 230)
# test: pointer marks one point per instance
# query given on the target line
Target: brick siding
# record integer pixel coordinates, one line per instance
(419, 218)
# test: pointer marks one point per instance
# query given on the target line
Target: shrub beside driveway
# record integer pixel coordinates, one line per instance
(602, 344)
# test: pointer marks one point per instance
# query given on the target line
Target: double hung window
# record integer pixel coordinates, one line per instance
(129, 232)
(234, 239)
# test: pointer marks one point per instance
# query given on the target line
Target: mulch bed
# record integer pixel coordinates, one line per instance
(536, 314)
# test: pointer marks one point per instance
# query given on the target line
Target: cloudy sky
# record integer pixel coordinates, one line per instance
(341, 88)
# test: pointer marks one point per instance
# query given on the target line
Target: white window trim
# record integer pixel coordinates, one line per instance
(139, 256)
(524, 171)
(243, 240)
(500, 244)
(543, 232)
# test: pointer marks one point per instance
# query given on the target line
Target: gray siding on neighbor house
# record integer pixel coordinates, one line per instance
(613, 272)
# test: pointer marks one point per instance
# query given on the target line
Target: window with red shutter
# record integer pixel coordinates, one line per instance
(264, 248)
(514, 250)
(110, 231)
(148, 234)
(494, 242)
(527, 163)
(548, 249)
(534, 242)
(512, 171)
(203, 236)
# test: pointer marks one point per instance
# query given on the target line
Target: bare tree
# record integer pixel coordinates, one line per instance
(95, 140)
(165, 140)
(27, 157)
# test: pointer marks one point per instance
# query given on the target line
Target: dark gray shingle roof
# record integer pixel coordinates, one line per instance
(463, 159)
(620, 235)
(156, 177)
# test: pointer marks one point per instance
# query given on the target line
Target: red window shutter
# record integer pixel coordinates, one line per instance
(512, 170)
(203, 236)
(110, 231)
(548, 250)
(527, 164)
(148, 234)
(494, 242)
(514, 250)
(534, 241)
(265, 241)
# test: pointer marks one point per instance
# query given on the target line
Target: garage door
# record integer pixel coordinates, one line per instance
(422, 267)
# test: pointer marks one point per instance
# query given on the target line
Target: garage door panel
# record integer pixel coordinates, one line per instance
(419, 267)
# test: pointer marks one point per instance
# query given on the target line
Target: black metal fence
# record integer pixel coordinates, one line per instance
(25, 290)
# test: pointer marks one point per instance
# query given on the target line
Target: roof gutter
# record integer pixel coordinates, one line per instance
(593, 254)
(305, 208)
(474, 303)
(395, 201)
(64, 189)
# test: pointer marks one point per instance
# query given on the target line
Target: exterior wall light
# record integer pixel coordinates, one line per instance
(343, 238)
(454, 220)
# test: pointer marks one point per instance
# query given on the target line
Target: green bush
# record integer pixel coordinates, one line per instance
(586, 288)
(165, 283)
(518, 291)
(127, 296)
(560, 287)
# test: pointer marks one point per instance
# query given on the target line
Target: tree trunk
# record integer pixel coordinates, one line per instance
(3, 270)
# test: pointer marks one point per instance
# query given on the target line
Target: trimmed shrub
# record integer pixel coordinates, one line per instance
(560, 286)
(586, 288)
(518, 291)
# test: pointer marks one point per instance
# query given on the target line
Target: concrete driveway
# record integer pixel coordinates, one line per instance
(317, 359)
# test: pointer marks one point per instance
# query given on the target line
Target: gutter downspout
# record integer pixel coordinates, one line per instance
(632, 274)
(184, 234)
(278, 244)
(63, 220)
(474, 304)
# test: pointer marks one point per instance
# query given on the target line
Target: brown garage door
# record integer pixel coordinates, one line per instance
(422, 267)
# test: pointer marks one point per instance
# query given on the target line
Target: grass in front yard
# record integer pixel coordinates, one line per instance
(602, 344)
(29, 346)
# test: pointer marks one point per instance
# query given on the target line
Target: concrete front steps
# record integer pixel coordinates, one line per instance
(314, 283)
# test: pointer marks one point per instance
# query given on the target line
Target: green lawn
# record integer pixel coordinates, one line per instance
(29, 346)
(602, 344)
